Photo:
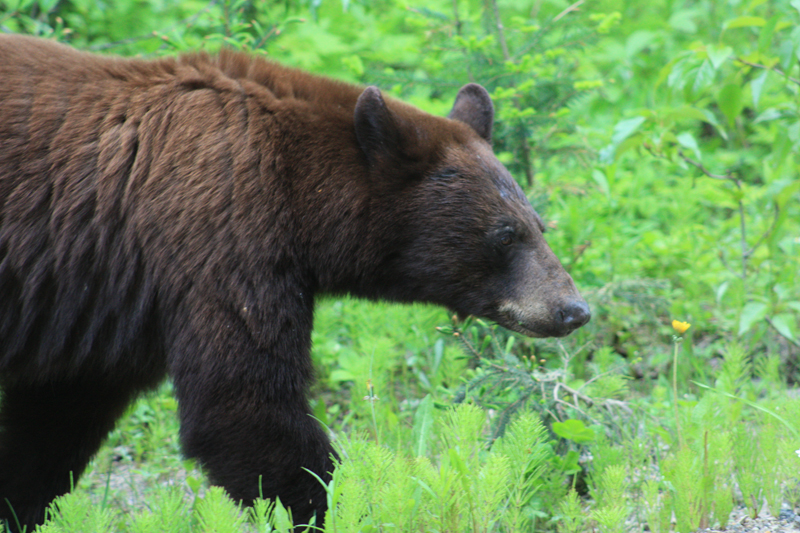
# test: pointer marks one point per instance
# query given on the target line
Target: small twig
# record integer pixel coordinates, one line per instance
(526, 158)
(524, 145)
(704, 170)
(576, 394)
(598, 376)
(227, 15)
(766, 234)
(273, 31)
(583, 413)
(460, 334)
(188, 21)
(742, 235)
(619, 404)
(573, 7)
(773, 69)
(501, 36)
(458, 25)
(724, 262)
(556, 398)
(577, 255)
(456, 18)
(498, 367)
(551, 413)
(608, 403)
(742, 223)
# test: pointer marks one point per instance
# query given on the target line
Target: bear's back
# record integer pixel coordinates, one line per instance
(116, 179)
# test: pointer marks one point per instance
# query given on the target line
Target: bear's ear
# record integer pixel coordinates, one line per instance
(474, 107)
(377, 130)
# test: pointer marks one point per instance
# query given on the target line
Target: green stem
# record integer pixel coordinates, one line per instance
(675, 388)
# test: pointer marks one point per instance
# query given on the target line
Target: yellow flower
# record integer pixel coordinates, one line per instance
(680, 327)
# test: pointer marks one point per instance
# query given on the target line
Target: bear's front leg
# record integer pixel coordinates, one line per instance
(244, 413)
(48, 433)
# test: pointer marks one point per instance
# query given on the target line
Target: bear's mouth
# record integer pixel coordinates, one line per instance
(505, 320)
(520, 327)
(509, 320)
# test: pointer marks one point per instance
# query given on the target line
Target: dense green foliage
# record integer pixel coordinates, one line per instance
(660, 140)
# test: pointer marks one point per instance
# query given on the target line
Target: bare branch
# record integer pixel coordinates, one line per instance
(742, 236)
(458, 26)
(501, 36)
(773, 69)
(524, 145)
(728, 267)
(573, 7)
(767, 233)
(704, 170)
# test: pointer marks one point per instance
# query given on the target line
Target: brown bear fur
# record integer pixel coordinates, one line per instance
(179, 216)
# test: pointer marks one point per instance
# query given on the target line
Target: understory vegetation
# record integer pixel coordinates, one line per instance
(660, 141)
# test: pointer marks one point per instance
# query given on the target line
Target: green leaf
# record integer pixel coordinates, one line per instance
(487, 340)
(676, 76)
(718, 55)
(193, 483)
(625, 128)
(423, 421)
(721, 290)
(628, 144)
(280, 517)
(729, 100)
(704, 78)
(668, 136)
(711, 119)
(782, 191)
(510, 344)
(666, 71)
(753, 312)
(570, 463)
(574, 430)
(321, 412)
(686, 111)
(768, 114)
(786, 324)
(339, 375)
(755, 87)
(683, 20)
(765, 37)
(744, 22)
(688, 141)
(782, 290)
(638, 41)
(457, 461)
(599, 177)
(787, 50)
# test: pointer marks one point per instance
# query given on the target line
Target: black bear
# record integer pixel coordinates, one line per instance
(178, 217)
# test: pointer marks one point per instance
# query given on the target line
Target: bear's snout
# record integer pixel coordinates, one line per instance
(574, 315)
(537, 317)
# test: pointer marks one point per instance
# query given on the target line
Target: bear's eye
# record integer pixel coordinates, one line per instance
(507, 239)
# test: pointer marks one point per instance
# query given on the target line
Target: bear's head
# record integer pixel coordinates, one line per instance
(458, 229)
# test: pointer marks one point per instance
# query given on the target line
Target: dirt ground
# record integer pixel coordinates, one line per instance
(786, 522)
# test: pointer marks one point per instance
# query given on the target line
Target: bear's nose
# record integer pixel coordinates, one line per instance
(574, 315)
